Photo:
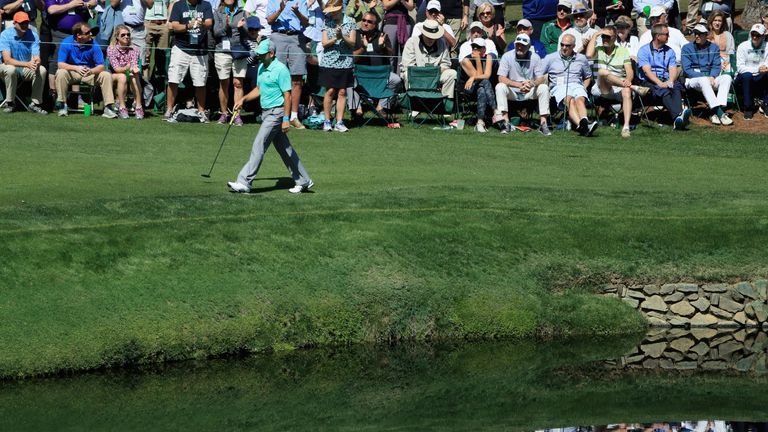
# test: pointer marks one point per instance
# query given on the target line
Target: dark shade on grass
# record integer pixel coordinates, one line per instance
(115, 251)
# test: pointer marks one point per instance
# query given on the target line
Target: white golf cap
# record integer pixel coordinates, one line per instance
(525, 23)
(657, 11)
(478, 42)
(700, 28)
(523, 39)
(434, 4)
(758, 28)
(566, 3)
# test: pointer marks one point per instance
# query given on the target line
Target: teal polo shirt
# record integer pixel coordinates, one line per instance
(273, 81)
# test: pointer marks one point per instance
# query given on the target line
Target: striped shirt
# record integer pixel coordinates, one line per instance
(614, 62)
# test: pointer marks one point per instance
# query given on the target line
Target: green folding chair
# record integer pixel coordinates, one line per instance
(423, 95)
(372, 86)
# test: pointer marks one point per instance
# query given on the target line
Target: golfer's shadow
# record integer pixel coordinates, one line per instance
(280, 183)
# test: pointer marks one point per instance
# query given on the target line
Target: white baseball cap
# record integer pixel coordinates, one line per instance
(523, 39)
(700, 28)
(434, 4)
(657, 11)
(478, 41)
(758, 28)
(525, 23)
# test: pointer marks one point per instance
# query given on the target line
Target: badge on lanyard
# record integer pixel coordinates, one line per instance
(226, 45)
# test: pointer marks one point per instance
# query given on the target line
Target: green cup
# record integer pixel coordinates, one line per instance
(88, 110)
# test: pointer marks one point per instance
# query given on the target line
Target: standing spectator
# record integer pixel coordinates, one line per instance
(517, 82)
(582, 30)
(258, 8)
(158, 36)
(477, 70)
(80, 60)
(676, 39)
(357, 8)
(710, 6)
(231, 57)
(336, 72)
(701, 65)
(62, 15)
(569, 76)
(288, 19)
(659, 72)
(430, 49)
(273, 86)
(538, 12)
(551, 31)
(398, 25)
(720, 36)
(495, 32)
(614, 73)
(190, 22)
(124, 62)
(8, 9)
(456, 13)
(625, 38)
(692, 15)
(133, 16)
(608, 11)
(433, 13)
(476, 30)
(644, 9)
(752, 70)
(20, 48)
(525, 27)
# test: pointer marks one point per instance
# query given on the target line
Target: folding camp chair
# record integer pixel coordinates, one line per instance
(424, 96)
(372, 87)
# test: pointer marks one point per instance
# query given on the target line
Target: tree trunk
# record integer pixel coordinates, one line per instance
(753, 12)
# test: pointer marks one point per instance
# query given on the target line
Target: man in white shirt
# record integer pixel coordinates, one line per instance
(433, 13)
(582, 31)
(676, 39)
(752, 70)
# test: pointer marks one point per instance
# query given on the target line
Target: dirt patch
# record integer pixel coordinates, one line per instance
(758, 124)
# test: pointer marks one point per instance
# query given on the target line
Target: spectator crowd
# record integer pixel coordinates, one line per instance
(587, 59)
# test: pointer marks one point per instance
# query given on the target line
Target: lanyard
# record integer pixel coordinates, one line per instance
(523, 71)
(189, 10)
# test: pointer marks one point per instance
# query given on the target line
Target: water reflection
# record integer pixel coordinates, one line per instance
(518, 386)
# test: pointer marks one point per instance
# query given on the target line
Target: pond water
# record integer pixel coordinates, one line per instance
(646, 383)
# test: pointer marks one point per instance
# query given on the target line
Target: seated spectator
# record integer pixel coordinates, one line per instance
(582, 31)
(752, 70)
(430, 49)
(569, 76)
(124, 62)
(625, 38)
(190, 21)
(357, 8)
(230, 58)
(614, 73)
(676, 39)
(659, 71)
(608, 11)
(475, 31)
(20, 48)
(720, 36)
(80, 60)
(495, 31)
(433, 13)
(373, 48)
(701, 65)
(517, 82)
(336, 72)
(477, 70)
(62, 15)
(525, 27)
(551, 31)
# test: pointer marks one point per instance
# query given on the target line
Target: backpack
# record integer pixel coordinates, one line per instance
(188, 115)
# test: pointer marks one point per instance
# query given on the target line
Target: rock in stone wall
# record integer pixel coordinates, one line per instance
(743, 304)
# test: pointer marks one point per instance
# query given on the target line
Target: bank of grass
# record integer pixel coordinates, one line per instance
(115, 251)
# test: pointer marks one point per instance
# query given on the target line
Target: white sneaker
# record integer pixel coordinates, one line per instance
(108, 113)
(715, 119)
(327, 126)
(238, 187)
(63, 111)
(340, 127)
(301, 188)
(725, 120)
(480, 126)
(625, 133)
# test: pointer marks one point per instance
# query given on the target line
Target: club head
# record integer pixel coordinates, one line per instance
(205, 175)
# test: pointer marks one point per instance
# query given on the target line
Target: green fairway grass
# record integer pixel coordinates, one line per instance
(115, 250)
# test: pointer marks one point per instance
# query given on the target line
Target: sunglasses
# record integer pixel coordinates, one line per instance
(124, 35)
(566, 45)
(88, 33)
(663, 34)
(486, 13)
(563, 9)
(368, 21)
(433, 11)
(606, 37)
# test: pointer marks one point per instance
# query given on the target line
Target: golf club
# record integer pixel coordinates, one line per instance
(232, 120)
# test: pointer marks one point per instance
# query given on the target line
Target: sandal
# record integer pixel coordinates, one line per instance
(394, 125)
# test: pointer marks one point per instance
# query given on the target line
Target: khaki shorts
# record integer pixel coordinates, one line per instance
(182, 62)
(226, 66)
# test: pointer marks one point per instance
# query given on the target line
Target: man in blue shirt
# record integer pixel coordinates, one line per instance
(20, 48)
(80, 60)
(659, 72)
(702, 65)
(288, 19)
(273, 85)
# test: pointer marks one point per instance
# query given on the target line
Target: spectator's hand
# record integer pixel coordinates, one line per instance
(712, 81)
(83, 70)
(762, 69)
(669, 84)
(593, 20)
(338, 32)
(77, 4)
(499, 31)
(440, 18)
(464, 23)
(282, 4)
(364, 39)
(382, 39)
(241, 23)
(295, 8)
(626, 83)
(468, 84)
(373, 4)
(286, 126)
(135, 70)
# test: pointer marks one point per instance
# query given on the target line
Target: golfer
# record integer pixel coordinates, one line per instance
(273, 84)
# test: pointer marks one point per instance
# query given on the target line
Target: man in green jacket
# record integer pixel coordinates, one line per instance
(552, 30)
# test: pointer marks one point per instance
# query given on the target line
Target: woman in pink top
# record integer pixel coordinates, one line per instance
(124, 63)
(720, 36)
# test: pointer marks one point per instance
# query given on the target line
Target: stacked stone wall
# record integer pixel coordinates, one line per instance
(694, 305)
